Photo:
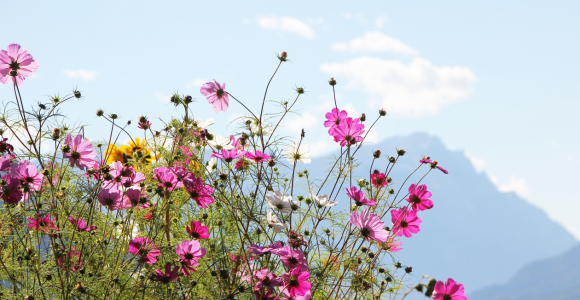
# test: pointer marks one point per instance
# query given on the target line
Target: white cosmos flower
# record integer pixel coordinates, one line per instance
(211, 165)
(297, 152)
(273, 221)
(201, 124)
(255, 128)
(221, 142)
(279, 202)
(322, 200)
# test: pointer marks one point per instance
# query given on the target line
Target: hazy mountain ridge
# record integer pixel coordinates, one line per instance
(474, 234)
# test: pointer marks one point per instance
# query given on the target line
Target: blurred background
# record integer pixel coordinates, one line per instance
(490, 89)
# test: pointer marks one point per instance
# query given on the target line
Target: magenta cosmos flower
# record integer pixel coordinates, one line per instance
(405, 222)
(333, 119)
(197, 231)
(296, 283)
(45, 224)
(110, 198)
(259, 250)
(379, 180)
(349, 132)
(292, 258)
(370, 225)
(391, 245)
(11, 192)
(449, 290)
(189, 253)
(167, 179)
(4, 163)
(199, 192)
(258, 156)
(168, 276)
(216, 95)
(145, 248)
(359, 197)
(16, 64)
(228, 155)
(79, 152)
(70, 260)
(419, 197)
(80, 225)
(266, 279)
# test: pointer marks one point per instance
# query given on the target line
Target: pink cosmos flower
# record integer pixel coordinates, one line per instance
(168, 276)
(167, 179)
(12, 191)
(379, 180)
(291, 258)
(4, 163)
(199, 192)
(266, 279)
(236, 143)
(111, 199)
(242, 164)
(263, 250)
(181, 173)
(258, 156)
(370, 225)
(16, 64)
(426, 160)
(333, 118)
(265, 294)
(216, 95)
(80, 152)
(70, 260)
(349, 132)
(449, 290)
(42, 224)
(442, 170)
(145, 248)
(405, 222)
(296, 283)
(359, 197)
(392, 245)
(189, 253)
(28, 174)
(197, 231)
(144, 125)
(228, 155)
(419, 197)
(80, 225)
(133, 198)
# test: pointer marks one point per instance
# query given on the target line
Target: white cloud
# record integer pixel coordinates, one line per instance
(307, 120)
(380, 21)
(516, 184)
(85, 75)
(478, 163)
(411, 90)
(375, 41)
(198, 82)
(287, 24)
(162, 98)
(359, 17)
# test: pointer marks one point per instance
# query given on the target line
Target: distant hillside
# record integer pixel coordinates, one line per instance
(556, 278)
(474, 234)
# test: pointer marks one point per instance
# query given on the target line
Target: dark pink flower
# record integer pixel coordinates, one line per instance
(242, 164)
(70, 260)
(28, 174)
(296, 283)
(111, 199)
(379, 180)
(349, 132)
(228, 155)
(168, 276)
(370, 225)
(265, 294)
(145, 248)
(405, 222)
(359, 197)
(216, 95)
(442, 170)
(167, 179)
(80, 225)
(4, 163)
(199, 192)
(5, 147)
(419, 197)
(263, 250)
(189, 253)
(266, 279)
(197, 231)
(291, 258)
(449, 290)
(144, 125)
(133, 198)
(426, 160)
(258, 156)
(12, 191)
(79, 152)
(333, 119)
(181, 173)
(42, 224)
(16, 64)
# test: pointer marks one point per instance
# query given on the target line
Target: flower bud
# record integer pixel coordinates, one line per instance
(392, 160)
(294, 206)
(188, 99)
(332, 81)
(377, 154)
(56, 99)
(401, 152)
(382, 270)
(408, 269)
(398, 265)
(271, 163)
(56, 133)
(363, 117)
(114, 116)
(42, 106)
(77, 94)
(364, 249)
(371, 255)
(283, 56)
(99, 112)
(382, 112)
(300, 90)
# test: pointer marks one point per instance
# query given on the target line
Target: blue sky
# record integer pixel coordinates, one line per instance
(496, 79)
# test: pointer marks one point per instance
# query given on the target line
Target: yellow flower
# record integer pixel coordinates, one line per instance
(136, 150)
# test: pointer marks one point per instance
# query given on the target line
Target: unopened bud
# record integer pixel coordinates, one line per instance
(363, 117)
(188, 99)
(114, 116)
(401, 152)
(408, 269)
(377, 154)
(382, 112)
(271, 163)
(283, 56)
(99, 112)
(56, 133)
(300, 90)
(332, 81)
(392, 160)
(77, 94)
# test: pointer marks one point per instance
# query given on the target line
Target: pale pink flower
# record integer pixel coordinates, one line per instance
(111, 199)
(216, 95)
(16, 64)
(291, 258)
(189, 253)
(28, 174)
(296, 283)
(80, 225)
(258, 156)
(359, 197)
(405, 222)
(228, 155)
(199, 192)
(266, 279)
(4, 163)
(168, 276)
(259, 250)
(419, 197)
(80, 152)
(349, 132)
(449, 290)
(167, 179)
(370, 225)
(145, 248)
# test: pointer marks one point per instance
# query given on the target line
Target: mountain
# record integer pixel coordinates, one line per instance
(556, 278)
(474, 233)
